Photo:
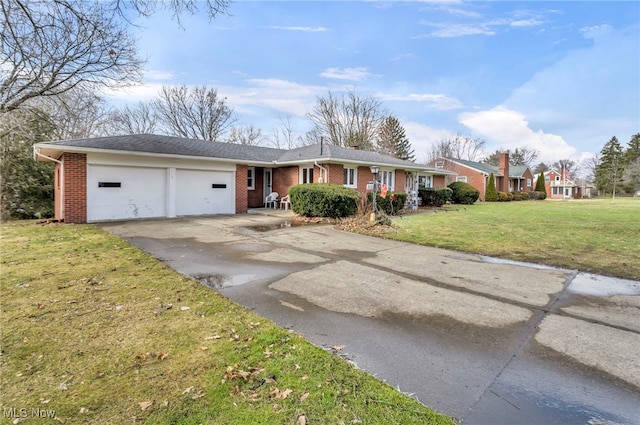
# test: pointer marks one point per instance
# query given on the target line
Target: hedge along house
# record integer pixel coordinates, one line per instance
(508, 178)
(153, 176)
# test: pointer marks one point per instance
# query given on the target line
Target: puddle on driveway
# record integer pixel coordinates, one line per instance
(603, 286)
(280, 225)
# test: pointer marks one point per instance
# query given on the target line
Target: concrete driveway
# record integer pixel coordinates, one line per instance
(484, 341)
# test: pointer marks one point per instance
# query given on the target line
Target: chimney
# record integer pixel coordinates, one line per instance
(503, 168)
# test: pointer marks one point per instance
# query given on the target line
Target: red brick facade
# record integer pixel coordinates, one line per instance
(242, 194)
(74, 188)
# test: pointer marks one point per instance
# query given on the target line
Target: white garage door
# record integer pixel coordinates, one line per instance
(204, 192)
(116, 193)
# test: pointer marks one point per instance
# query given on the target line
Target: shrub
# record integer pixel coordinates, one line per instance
(504, 197)
(463, 193)
(435, 197)
(517, 196)
(537, 195)
(391, 204)
(324, 200)
(491, 194)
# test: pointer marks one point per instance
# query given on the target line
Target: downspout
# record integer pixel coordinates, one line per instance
(326, 172)
(37, 153)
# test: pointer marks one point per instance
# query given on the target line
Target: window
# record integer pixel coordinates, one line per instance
(528, 182)
(387, 177)
(350, 177)
(307, 175)
(461, 179)
(425, 181)
(439, 164)
(251, 178)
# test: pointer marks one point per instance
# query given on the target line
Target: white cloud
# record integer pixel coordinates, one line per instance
(526, 23)
(281, 95)
(509, 129)
(440, 102)
(423, 138)
(300, 29)
(352, 74)
(458, 30)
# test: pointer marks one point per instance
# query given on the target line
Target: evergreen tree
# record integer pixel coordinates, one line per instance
(393, 141)
(611, 167)
(490, 193)
(540, 186)
(26, 186)
(633, 150)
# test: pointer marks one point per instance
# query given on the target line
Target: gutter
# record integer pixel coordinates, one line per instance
(326, 172)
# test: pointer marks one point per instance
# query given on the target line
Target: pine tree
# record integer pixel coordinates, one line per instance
(611, 167)
(633, 149)
(393, 141)
(540, 186)
(491, 194)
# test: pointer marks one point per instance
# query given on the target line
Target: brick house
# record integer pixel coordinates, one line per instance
(146, 176)
(565, 188)
(508, 178)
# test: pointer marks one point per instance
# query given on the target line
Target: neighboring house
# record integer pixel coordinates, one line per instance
(145, 176)
(558, 187)
(508, 178)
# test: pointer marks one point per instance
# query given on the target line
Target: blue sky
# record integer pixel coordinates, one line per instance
(559, 77)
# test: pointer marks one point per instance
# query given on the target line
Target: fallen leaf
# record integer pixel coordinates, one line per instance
(337, 347)
(204, 348)
(302, 420)
(304, 396)
(188, 390)
(184, 308)
(84, 410)
(163, 356)
(209, 338)
(144, 405)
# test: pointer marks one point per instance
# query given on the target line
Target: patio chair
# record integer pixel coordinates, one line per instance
(284, 202)
(271, 200)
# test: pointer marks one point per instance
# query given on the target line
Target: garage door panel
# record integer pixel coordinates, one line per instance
(200, 192)
(116, 193)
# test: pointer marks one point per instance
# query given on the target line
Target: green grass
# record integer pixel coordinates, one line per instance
(596, 236)
(98, 332)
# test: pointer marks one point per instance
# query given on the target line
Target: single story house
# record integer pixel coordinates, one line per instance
(508, 178)
(147, 176)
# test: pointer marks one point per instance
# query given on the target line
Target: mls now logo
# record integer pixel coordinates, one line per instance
(14, 412)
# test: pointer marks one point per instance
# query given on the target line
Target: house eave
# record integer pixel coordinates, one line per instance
(57, 151)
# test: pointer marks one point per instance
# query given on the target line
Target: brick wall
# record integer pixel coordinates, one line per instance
(242, 196)
(336, 173)
(75, 187)
(285, 177)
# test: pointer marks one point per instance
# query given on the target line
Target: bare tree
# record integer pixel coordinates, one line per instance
(518, 156)
(139, 119)
(283, 136)
(349, 120)
(245, 135)
(75, 114)
(197, 113)
(48, 47)
(458, 147)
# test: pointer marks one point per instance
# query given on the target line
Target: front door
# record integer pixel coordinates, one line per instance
(268, 181)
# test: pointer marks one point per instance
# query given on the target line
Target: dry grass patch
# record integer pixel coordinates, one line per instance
(97, 331)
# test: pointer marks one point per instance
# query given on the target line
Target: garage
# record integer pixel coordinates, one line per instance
(116, 193)
(201, 192)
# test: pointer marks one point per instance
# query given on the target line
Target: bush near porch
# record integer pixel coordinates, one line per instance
(324, 200)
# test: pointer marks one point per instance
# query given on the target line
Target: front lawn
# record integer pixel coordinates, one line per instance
(95, 331)
(596, 236)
